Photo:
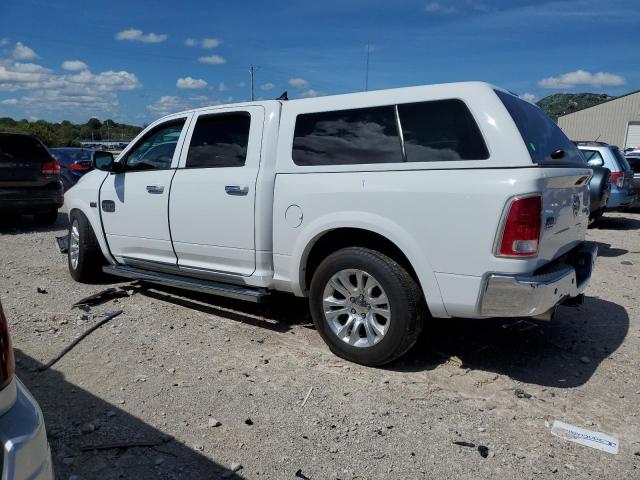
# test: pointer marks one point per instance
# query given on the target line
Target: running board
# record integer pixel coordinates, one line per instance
(194, 284)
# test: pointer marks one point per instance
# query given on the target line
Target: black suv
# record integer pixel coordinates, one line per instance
(29, 179)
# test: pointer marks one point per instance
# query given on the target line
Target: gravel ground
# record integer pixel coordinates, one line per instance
(196, 384)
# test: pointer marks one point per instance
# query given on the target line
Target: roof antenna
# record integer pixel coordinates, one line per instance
(284, 96)
(598, 138)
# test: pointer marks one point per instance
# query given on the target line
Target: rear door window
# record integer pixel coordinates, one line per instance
(347, 137)
(440, 131)
(219, 141)
(541, 135)
(592, 155)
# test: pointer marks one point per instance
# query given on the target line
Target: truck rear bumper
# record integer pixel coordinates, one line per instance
(532, 295)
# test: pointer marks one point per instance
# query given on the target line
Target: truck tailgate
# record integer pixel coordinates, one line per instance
(565, 211)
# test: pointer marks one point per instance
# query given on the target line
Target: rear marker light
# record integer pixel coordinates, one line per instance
(521, 230)
(617, 179)
(51, 168)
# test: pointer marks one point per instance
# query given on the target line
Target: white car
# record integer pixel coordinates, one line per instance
(385, 208)
(25, 451)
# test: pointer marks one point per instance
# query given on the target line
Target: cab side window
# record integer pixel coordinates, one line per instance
(219, 140)
(155, 150)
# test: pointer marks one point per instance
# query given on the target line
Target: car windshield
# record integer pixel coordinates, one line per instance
(70, 155)
(22, 147)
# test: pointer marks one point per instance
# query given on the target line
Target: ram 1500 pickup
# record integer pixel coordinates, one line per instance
(384, 208)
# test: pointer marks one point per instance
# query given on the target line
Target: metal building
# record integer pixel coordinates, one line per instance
(615, 121)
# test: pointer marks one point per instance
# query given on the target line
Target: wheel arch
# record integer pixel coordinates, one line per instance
(96, 226)
(381, 235)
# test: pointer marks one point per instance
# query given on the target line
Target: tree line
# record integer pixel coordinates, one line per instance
(67, 134)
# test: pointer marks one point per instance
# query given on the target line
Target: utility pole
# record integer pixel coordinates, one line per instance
(251, 74)
(366, 77)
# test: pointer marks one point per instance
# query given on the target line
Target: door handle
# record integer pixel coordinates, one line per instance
(236, 189)
(155, 188)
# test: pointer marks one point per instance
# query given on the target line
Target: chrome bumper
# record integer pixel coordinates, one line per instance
(25, 450)
(532, 295)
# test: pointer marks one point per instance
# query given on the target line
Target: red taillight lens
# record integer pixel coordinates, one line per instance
(80, 166)
(617, 179)
(51, 168)
(7, 363)
(521, 233)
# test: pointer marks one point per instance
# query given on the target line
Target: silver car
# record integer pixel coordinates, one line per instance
(25, 450)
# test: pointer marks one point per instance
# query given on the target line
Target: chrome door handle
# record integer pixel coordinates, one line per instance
(236, 189)
(155, 189)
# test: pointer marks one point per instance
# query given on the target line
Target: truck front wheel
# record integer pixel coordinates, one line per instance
(84, 257)
(366, 306)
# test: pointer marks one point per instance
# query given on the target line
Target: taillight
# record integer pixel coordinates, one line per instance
(7, 363)
(617, 179)
(521, 230)
(80, 166)
(51, 168)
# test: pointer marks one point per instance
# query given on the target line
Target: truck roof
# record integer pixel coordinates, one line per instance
(351, 96)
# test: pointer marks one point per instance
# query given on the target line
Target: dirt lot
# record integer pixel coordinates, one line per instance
(176, 364)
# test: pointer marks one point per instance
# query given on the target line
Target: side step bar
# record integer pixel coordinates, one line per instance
(194, 284)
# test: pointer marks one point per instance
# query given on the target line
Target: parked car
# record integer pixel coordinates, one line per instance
(74, 163)
(25, 450)
(599, 191)
(600, 154)
(633, 159)
(383, 208)
(29, 178)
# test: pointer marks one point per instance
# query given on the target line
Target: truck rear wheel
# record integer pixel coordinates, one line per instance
(366, 306)
(84, 257)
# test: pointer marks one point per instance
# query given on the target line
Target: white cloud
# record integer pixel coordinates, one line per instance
(298, 82)
(22, 52)
(170, 103)
(74, 65)
(210, 42)
(192, 83)
(309, 93)
(529, 97)
(9, 101)
(267, 86)
(435, 7)
(222, 87)
(48, 91)
(212, 60)
(135, 35)
(204, 43)
(582, 78)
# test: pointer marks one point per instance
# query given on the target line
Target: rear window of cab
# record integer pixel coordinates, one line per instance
(433, 131)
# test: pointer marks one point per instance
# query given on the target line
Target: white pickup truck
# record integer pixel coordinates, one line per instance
(385, 208)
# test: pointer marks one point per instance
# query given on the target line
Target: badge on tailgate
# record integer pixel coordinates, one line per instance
(576, 205)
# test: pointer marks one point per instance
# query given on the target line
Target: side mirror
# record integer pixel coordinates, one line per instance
(103, 161)
(595, 162)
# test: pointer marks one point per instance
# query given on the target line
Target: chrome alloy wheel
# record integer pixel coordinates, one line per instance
(74, 244)
(356, 308)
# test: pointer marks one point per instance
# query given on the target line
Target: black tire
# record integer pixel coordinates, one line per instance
(46, 218)
(595, 216)
(90, 260)
(405, 300)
